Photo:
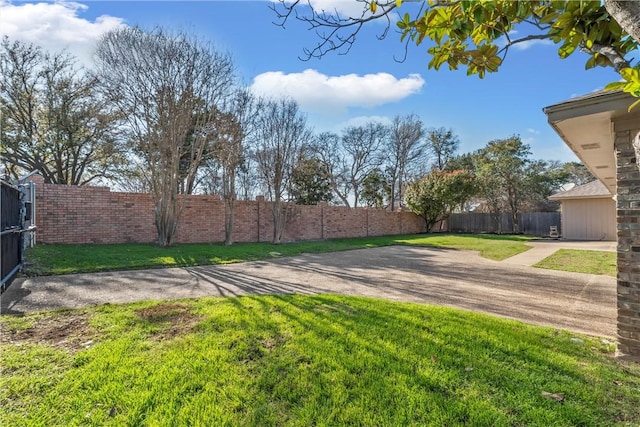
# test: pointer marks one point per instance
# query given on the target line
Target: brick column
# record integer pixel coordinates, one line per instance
(628, 218)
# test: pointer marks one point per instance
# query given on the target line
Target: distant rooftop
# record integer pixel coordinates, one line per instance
(592, 190)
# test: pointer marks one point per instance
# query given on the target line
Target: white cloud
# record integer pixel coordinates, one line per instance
(530, 43)
(520, 46)
(319, 93)
(533, 131)
(55, 26)
(346, 8)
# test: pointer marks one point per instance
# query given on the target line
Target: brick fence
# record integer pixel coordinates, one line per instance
(70, 214)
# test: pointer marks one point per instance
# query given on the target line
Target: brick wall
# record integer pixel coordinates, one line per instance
(628, 230)
(68, 214)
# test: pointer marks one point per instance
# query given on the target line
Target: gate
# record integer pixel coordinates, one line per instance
(15, 217)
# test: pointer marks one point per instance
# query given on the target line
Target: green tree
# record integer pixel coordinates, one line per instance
(54, 120)
(478, 34)
(438, 194)
(509, 181)
(578, 173)
(542, 179)
(310, 181)
(375, 189)
(501, 170)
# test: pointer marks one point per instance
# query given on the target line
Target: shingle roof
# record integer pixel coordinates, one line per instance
(592, 190)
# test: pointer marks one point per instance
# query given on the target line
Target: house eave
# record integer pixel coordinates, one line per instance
(585, 125)
(563, 198)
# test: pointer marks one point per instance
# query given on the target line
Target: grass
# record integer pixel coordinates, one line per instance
(581, 261)
(67, 259)
(304, 360)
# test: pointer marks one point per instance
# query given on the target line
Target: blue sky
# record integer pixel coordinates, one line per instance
(338, 90)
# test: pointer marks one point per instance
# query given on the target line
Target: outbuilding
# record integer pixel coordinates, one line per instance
(588, 212)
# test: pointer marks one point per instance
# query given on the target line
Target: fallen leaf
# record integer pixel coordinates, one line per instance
(558, 397)
(617, 382)
(469, 368)
(434, 359)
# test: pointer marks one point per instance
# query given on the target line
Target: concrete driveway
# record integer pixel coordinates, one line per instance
(573, 301)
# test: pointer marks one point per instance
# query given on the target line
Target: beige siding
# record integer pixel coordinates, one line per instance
(589, 219)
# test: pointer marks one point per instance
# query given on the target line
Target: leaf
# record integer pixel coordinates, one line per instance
(398, 3)
(558, 397)
(566, 49)
(548, 18)
(630, 74)
(373, 6)
(634, 105)
(615, 86)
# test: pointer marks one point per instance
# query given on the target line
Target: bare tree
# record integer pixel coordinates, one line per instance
(53, 119)
(282, 131)
(361, 146)
(160, 82)
(231, 129)
(404, 146)
(327, 147)
(443, 144)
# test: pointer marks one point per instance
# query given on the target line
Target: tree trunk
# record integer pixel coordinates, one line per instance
(627, 14)
(277, 222)
(515, 223)
(229, 197)
(393, 195)
(166, 222)
(229, 218)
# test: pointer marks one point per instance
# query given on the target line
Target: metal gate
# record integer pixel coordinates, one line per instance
(16, 209)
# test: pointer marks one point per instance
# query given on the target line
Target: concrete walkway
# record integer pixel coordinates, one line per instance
(578, 302)
(542, 249)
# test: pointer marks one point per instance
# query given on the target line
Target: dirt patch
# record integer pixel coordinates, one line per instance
(174, 319)
(70, 331)
(271, 343)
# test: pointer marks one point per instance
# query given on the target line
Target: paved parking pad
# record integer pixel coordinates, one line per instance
(578, 302)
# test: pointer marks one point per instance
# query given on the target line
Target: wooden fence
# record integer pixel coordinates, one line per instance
(531, 223)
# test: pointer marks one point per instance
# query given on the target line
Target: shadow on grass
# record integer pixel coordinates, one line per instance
(360, 362)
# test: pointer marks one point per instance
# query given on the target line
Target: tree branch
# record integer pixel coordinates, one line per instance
(343, 30)
(617, 59)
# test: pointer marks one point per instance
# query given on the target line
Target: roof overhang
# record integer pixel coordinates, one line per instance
(586, 126)
(559, 198)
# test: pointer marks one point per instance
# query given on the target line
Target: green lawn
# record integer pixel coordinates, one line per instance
(304, 360)
(581, 261)
(66, 259)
